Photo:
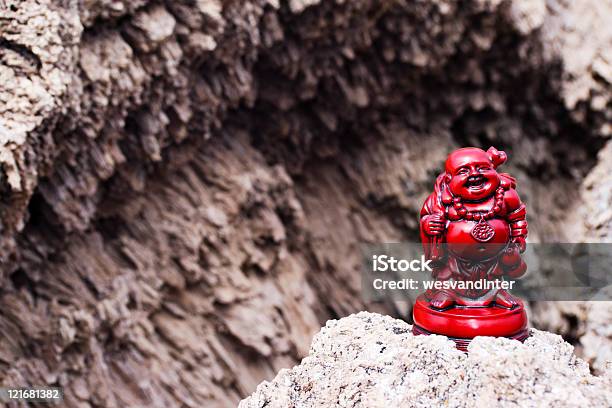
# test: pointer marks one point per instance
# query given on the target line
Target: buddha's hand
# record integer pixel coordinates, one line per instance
(434, 224)
(520, 243)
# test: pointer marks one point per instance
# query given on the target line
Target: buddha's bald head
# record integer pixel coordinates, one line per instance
(471, 174)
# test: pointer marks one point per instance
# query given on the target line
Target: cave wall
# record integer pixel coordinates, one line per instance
(185, 184)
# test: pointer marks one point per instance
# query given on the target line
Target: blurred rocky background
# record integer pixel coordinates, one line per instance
(185, 185)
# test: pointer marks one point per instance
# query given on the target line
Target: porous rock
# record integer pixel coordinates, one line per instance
(369, 360)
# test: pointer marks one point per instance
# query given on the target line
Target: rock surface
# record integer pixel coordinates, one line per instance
(369, 360)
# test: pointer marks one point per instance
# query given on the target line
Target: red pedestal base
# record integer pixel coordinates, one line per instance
(463, 323)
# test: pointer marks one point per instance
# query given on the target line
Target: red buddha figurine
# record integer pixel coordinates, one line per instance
(473, 227)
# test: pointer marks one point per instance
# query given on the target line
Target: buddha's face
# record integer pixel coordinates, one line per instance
(471, 174)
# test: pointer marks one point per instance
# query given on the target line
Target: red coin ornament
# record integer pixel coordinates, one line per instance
(483, 231)
(484, 234)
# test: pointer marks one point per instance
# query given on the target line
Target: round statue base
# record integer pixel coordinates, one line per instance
(462, 323)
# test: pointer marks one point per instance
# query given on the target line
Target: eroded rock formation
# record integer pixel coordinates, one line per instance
(184, 185)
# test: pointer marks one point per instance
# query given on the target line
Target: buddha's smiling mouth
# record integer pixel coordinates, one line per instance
(475, 182)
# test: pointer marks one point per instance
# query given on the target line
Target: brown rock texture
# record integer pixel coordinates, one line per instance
(184, 185)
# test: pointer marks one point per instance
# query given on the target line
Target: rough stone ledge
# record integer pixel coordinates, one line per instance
(369, 360)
